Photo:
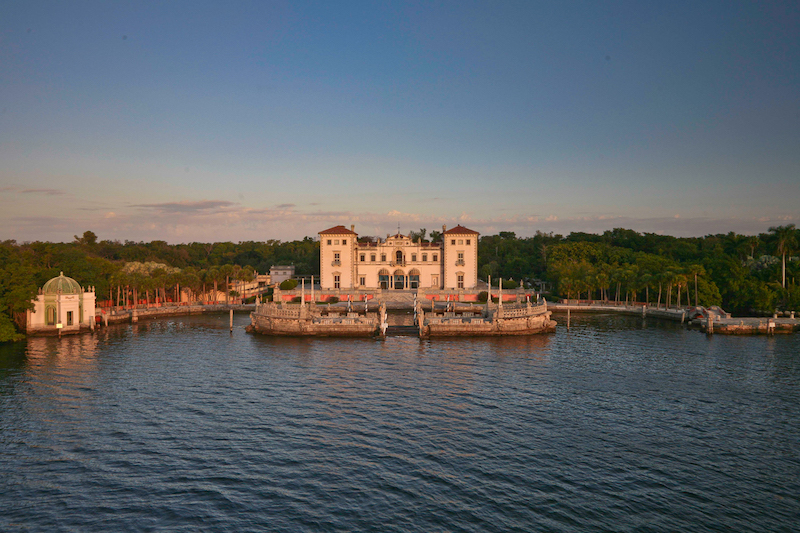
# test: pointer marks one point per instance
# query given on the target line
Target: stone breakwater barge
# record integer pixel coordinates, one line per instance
(442, 320)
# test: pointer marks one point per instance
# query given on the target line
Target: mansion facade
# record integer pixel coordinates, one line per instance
(398, 263)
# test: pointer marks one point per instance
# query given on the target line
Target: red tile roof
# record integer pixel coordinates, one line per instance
(460, 230)
(338, 230)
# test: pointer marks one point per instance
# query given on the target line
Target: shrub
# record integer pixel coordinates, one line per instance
(288, 284)
(333, 300)
(296, 299)
(483, 296)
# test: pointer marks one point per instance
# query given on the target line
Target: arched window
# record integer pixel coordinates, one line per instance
(383, 278)
(399, 257)
(413, 279)
(50, 315)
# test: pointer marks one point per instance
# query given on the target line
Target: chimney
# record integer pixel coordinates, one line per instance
(353, 228)
(444, 228)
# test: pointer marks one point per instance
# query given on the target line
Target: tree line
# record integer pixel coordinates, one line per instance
(744, 274)
(127, 272)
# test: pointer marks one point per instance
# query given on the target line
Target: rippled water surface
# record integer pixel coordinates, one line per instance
(614, 425)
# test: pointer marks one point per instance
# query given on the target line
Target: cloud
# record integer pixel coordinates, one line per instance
(285, 206)
(219, 220)
(188, 207)
(49, 192)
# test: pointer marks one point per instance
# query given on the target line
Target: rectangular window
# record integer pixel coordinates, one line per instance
(336, 256)
(362, 280)
(69, 318)
(372, 257)
(336, 241)
(434, 281)
(344, 241)
(424, 258)
(460, 241)
(461, 281)
(363, 257)
(413, 258)
(329, 242)
(453, 242)
(460, 256)
(467, 242)
(336, 282)
(435, 257)
(383, 257)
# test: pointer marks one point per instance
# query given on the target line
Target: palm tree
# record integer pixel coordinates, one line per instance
(786, 238)
(246, 274)
(680, 279)
(736, 245)
(753, 242)
(190, 281)
(670, 278)
(660, 278)
(615, 274)
(695, 270)
(213, 276)
(225, 272)
(601, 279)
(629, 276)
(646, 278)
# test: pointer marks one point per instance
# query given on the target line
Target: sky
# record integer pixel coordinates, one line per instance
(238, 121)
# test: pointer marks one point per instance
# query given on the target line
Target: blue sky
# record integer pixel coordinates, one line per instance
(207, 121)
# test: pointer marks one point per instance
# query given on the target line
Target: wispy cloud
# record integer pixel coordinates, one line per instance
(48, 192)
(285, 206)
(188, 207)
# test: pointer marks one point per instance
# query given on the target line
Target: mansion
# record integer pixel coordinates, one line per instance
(398, 263)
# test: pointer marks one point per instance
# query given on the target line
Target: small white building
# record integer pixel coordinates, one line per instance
(62, 306)
(398, 263)
(279, 273)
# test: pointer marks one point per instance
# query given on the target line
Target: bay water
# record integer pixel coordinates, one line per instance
(615, 424)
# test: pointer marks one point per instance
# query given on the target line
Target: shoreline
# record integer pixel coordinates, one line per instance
(122, 316)
(722, 325)
(718, 325)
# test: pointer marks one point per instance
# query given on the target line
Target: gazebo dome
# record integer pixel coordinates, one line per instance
(62, 284)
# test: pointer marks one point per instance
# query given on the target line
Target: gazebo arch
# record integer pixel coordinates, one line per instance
(50, 315)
